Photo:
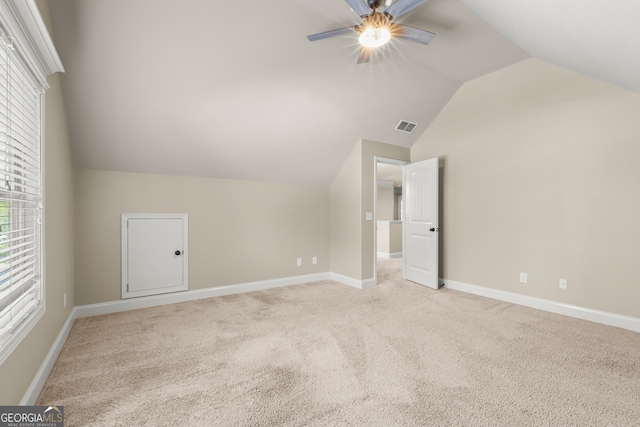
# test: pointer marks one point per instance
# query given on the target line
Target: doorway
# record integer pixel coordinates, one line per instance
(418, 219)
(388, 211)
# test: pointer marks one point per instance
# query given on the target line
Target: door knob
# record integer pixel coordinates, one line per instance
(434, 229)
(177, 252)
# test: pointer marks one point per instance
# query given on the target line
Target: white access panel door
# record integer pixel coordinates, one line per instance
(420, 223)
(154, 254)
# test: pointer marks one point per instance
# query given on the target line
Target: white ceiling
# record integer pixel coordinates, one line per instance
(235, 90)
(597, 38)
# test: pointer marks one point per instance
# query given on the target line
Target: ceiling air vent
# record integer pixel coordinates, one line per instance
(406, 127)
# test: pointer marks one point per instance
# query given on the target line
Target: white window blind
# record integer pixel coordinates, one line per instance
(21, 285)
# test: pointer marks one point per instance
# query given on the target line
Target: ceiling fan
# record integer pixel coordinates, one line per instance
(377, 28)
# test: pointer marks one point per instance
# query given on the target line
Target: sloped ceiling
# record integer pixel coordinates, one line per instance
(593, 37)
(235, 90)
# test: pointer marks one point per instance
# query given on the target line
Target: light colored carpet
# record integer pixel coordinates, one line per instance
(325, 354)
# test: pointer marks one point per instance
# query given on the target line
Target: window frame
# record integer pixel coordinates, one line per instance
(20, 20)
(19, 207)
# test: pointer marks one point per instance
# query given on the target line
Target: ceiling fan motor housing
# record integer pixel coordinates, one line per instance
(375, 20)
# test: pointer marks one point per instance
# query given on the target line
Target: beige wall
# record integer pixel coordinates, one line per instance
(345, 217)
(541, 176)
(385, 203)
(395, 238)
(352, 195)
(17, 372)
(389, 237)
(239, 231)
(383, 239)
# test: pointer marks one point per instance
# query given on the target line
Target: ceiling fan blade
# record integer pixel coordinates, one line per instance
(359, 7)
(332, 33)
(401, 7)
(365, 55)
(410, 33)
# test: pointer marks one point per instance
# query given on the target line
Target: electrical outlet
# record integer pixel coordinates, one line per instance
(563, 283)
(299, 262)
(523, 277)
(314, 260)
(64, 300)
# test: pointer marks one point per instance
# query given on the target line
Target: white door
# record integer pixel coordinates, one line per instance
(420, 223)
(154, 254)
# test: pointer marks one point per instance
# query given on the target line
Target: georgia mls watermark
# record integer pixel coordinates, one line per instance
(31, 416)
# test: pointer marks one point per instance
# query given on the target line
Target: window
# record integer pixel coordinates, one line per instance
(399, 207)
(21, 281)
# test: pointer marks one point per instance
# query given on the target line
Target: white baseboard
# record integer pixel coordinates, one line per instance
(172, 298)
(36, 385)
(389, 255)
(606, 318)
(369, 283)
(350, 281)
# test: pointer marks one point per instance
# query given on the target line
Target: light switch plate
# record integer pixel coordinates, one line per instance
(369, 216)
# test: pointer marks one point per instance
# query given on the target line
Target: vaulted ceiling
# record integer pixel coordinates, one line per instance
(235, 90)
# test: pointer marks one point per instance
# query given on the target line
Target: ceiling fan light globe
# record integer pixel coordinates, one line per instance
(374, 37)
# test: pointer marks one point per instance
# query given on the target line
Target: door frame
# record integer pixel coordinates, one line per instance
(125, 253)
(376, 160)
